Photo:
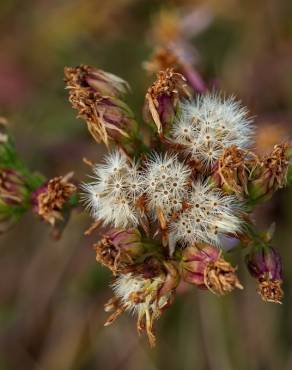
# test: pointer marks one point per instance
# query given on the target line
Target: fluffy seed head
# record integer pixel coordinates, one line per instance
(111, 196)
(208, 125)
(166, 183)
(210, 213)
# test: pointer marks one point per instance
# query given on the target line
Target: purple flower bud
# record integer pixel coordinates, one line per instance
(203, 266)
(264, 264)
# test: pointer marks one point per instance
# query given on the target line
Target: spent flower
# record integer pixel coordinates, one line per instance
(96, 96)
(270, 174)
(204, 266)
(119, 249)
(146, 294)
(162, 98)
(264, 263)
(50, 199)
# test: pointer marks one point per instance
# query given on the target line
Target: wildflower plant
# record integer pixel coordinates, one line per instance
(170, 206)
(170, 196)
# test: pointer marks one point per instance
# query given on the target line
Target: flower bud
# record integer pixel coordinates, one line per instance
(14, 196)
(264, 264)
(95, 94)
(50, 199)
(162, 99)
(231, 172)
(96, 80)
(13, 189)
(203, 266)
(119, 248)
(270, 175)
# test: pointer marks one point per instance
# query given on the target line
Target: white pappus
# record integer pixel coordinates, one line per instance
(112, 194)
(166, 182)
(210, 213)
(208, 125)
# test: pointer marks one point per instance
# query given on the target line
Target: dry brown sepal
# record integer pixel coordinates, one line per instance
(271, 291)
(220, 277)
(51, 198)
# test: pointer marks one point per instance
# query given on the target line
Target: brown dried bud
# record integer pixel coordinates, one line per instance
(162, 98)
(119, 248)
(271, 291)
(221, 278)
(203, 266)
(95, 94)
(271, 174)
(233, 169)
(49, 199)
(14, 197)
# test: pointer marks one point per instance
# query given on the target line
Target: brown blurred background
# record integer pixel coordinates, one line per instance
(52, 293)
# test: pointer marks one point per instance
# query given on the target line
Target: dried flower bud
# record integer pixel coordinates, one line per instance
(271, 174)
(96, 80)
(95, 94)
(202, 265)
(264, 264)
(49, 199)
(146, 292)
(231, 173)
(13, 189)
(162, 98)
(119, 248)
(14, 196)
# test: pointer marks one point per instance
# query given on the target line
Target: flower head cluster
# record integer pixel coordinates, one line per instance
(173, 207)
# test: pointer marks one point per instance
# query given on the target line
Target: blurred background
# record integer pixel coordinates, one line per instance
(52, 293)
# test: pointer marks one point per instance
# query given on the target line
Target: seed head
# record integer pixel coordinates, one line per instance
(166, 183)
(210, 213)
(146, 294)
(208, 125)
(112, 195)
